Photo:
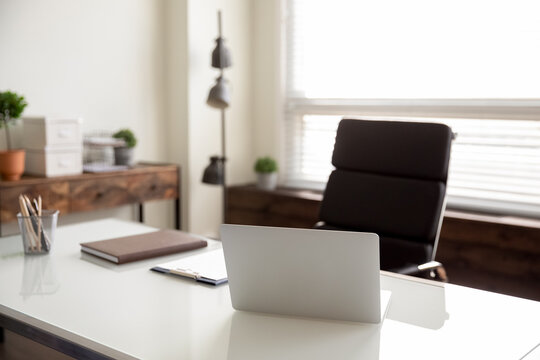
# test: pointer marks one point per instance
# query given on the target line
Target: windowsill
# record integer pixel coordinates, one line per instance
(494, 219)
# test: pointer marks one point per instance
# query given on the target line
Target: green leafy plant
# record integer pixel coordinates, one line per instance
(265, 165)
(11, 107)
(128, 137)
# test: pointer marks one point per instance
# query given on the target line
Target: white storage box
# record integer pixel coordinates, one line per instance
(41, 132)
(55, 161)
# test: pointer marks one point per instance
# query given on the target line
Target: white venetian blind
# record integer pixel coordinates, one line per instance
(367, 58)
(495, 164)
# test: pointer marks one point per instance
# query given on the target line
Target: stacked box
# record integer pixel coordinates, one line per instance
(54, 146)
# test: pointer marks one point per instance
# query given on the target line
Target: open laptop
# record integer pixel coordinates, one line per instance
(301, 272)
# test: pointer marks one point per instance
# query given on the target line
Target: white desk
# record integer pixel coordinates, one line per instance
(128, 311)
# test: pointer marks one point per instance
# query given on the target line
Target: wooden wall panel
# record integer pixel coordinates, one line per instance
(492, 256)
(286, 208)
(485, 252)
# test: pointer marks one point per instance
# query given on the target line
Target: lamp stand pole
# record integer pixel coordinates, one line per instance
(219, 98)
(223, 159)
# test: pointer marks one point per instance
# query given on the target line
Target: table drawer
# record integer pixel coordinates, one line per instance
(123, 189)
(101, 193)
(156, 186)
(54, 196)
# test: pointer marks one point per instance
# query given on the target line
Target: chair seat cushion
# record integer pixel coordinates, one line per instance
(393, 250)
(399, 207)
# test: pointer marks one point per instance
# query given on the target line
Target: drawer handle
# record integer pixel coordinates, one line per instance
(99, 195)
(153, 187)
(64, 133)
(64, 163)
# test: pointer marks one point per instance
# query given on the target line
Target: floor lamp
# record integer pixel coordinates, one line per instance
(219, 98)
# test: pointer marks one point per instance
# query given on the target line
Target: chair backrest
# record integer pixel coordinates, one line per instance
(390, 178)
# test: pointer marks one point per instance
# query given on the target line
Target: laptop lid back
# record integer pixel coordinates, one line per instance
(303, 272)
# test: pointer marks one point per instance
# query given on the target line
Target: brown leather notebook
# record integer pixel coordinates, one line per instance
(143, 246)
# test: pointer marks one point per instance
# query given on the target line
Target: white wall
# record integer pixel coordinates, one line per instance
(142, 64)
(267, 79)
(176, 68)
(101, 60)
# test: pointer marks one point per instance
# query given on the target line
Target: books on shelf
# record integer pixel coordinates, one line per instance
(103, 167)
(143, 246)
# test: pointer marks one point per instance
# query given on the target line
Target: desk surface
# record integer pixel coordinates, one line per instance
(127, 311)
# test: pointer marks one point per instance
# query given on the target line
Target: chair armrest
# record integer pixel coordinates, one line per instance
(431, 270)
(432, 265)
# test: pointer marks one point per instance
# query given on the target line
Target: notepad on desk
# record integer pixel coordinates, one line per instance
(143, 246)
(207, 267)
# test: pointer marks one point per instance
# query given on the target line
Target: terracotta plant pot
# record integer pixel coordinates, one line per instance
(12, 164)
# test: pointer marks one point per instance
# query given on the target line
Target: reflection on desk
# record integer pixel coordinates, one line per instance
(260, 336)
(418, 303)
(39, 276)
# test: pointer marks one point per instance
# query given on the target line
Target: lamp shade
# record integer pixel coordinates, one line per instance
(219, 96)
(221, 57)
(213, 174)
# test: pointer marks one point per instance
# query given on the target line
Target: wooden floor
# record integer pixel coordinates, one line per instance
(16, 347)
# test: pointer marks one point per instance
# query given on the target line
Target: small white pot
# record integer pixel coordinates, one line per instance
(267, 181)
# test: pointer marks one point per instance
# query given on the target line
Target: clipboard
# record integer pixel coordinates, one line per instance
(207, 267)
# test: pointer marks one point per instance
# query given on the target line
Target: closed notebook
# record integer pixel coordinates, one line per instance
(143, 246)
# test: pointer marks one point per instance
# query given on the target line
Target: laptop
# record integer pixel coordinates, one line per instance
(302, 272)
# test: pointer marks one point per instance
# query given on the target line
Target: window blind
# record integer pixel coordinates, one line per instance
(449, 62)
(494, 167)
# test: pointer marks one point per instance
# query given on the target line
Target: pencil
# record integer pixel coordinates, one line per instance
(45, 237)
(33, 215)
(29, 229)
(46, 241)
(39, 214)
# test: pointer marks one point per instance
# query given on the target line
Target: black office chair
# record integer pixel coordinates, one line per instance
(390, 179)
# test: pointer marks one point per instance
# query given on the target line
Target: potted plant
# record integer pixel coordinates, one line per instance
(123, 155)
(266, 169)
(11, 161)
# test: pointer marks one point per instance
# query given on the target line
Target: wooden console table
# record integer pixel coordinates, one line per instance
(95, 191)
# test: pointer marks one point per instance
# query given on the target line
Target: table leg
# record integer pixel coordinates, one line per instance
(141, 213)
(177, 214)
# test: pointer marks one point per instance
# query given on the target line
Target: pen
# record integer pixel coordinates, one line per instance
(186, 272)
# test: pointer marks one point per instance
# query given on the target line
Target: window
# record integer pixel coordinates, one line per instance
(472, 64)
